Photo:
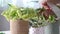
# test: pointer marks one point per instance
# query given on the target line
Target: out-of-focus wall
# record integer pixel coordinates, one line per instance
(4, 25)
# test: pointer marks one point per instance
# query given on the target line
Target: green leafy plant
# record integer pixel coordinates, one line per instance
(30, 14)
(11, 12)
(40, 20)
(14, 13)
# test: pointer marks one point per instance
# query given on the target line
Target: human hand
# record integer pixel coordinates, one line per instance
(48, 11)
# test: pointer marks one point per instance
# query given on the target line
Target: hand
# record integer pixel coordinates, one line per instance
(48, 11)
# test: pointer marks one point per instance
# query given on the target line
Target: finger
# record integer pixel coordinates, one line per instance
(45, 5)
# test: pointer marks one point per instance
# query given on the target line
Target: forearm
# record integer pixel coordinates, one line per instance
(54, 1)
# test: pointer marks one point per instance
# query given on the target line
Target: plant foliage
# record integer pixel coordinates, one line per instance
(30, 14)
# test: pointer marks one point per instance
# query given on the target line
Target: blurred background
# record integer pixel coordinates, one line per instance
(4, 24)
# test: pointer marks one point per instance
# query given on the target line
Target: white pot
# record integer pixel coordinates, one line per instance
(39, 30)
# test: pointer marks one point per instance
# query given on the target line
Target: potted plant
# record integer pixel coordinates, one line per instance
(14, 15)
(43, 18)
(20, 17)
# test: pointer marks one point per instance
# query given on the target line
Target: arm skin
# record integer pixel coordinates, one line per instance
(54, 1)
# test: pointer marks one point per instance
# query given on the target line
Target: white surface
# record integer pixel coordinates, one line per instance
(29, 3)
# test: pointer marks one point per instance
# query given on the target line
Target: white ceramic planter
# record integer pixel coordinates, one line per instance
(36, 30)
